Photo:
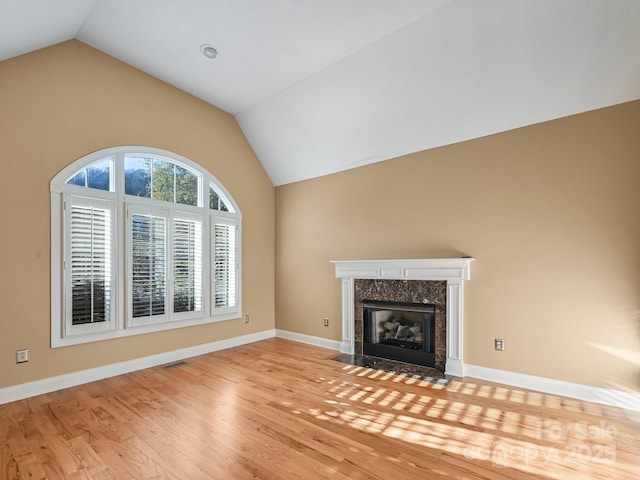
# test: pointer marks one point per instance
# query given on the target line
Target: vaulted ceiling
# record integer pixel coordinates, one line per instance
(320, 86)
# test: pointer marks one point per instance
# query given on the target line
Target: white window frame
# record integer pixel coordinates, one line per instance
(121, 324)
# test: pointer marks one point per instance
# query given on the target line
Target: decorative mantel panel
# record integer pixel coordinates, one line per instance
(452, 270)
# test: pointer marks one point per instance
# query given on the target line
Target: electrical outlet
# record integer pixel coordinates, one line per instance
(326, 322)
(499, 344)
(22, 355)
(246, 319)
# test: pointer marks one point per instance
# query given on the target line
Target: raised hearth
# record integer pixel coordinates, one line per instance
(416, 372)
(438, 281)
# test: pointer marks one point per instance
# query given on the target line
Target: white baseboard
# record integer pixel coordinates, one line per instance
(615, 398)
(39, 387)
(454, 367)
(309, 339)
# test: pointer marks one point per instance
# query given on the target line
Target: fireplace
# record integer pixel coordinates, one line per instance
(439, 281)
(400, 331)
(427, 299)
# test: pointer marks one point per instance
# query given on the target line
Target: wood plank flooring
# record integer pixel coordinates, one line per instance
(278, 409)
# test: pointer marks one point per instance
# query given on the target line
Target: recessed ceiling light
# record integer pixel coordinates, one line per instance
(209, 51)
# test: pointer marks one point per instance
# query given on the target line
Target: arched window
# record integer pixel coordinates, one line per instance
(142, 240)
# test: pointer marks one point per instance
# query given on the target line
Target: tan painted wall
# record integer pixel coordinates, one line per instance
(551, 212)
(57, 105)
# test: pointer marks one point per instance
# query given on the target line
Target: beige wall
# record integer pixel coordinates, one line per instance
(551, 212)
(63, 102)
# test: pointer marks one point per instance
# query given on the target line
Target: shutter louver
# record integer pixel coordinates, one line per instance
(148, 247)
(187, 265)
(90, 258)
(224, 259)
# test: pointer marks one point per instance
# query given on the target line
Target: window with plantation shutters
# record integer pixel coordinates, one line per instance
(224, 264)
(142, 240)
(165, 281)
(187, 265)
(88, 264)
(148, 245)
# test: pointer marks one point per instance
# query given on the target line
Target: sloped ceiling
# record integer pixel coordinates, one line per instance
(320, 86)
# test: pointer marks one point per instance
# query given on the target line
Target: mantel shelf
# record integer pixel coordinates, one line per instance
(409, 269)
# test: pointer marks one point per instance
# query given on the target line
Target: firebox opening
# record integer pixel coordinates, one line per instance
(400, 331)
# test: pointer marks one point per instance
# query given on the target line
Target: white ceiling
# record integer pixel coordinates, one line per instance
(320, 86)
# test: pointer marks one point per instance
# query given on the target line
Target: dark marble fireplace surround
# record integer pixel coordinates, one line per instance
(408, 291)
(439, 281)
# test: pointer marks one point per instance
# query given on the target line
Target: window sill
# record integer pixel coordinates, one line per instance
(139, 330)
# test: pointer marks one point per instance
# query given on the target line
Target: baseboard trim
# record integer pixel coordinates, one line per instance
(39, 387)
(615, 398)
(308, 339)
(604, 396)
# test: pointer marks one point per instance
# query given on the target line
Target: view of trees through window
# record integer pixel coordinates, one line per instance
(216, 202)
(160, 180)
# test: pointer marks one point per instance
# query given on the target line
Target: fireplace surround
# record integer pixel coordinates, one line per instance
(444, 275)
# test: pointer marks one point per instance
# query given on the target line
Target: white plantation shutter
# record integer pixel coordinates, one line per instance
(148, 267)
(89, 265)
(225, 275)
(187, 265)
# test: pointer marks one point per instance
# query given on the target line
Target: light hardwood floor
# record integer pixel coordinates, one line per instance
(278, 409)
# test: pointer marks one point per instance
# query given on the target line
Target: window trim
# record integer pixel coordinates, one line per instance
(120, 327)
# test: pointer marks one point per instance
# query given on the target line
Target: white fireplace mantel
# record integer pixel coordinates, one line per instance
(454, 270)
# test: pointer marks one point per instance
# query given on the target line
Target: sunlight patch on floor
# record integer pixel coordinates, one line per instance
(492, 437)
